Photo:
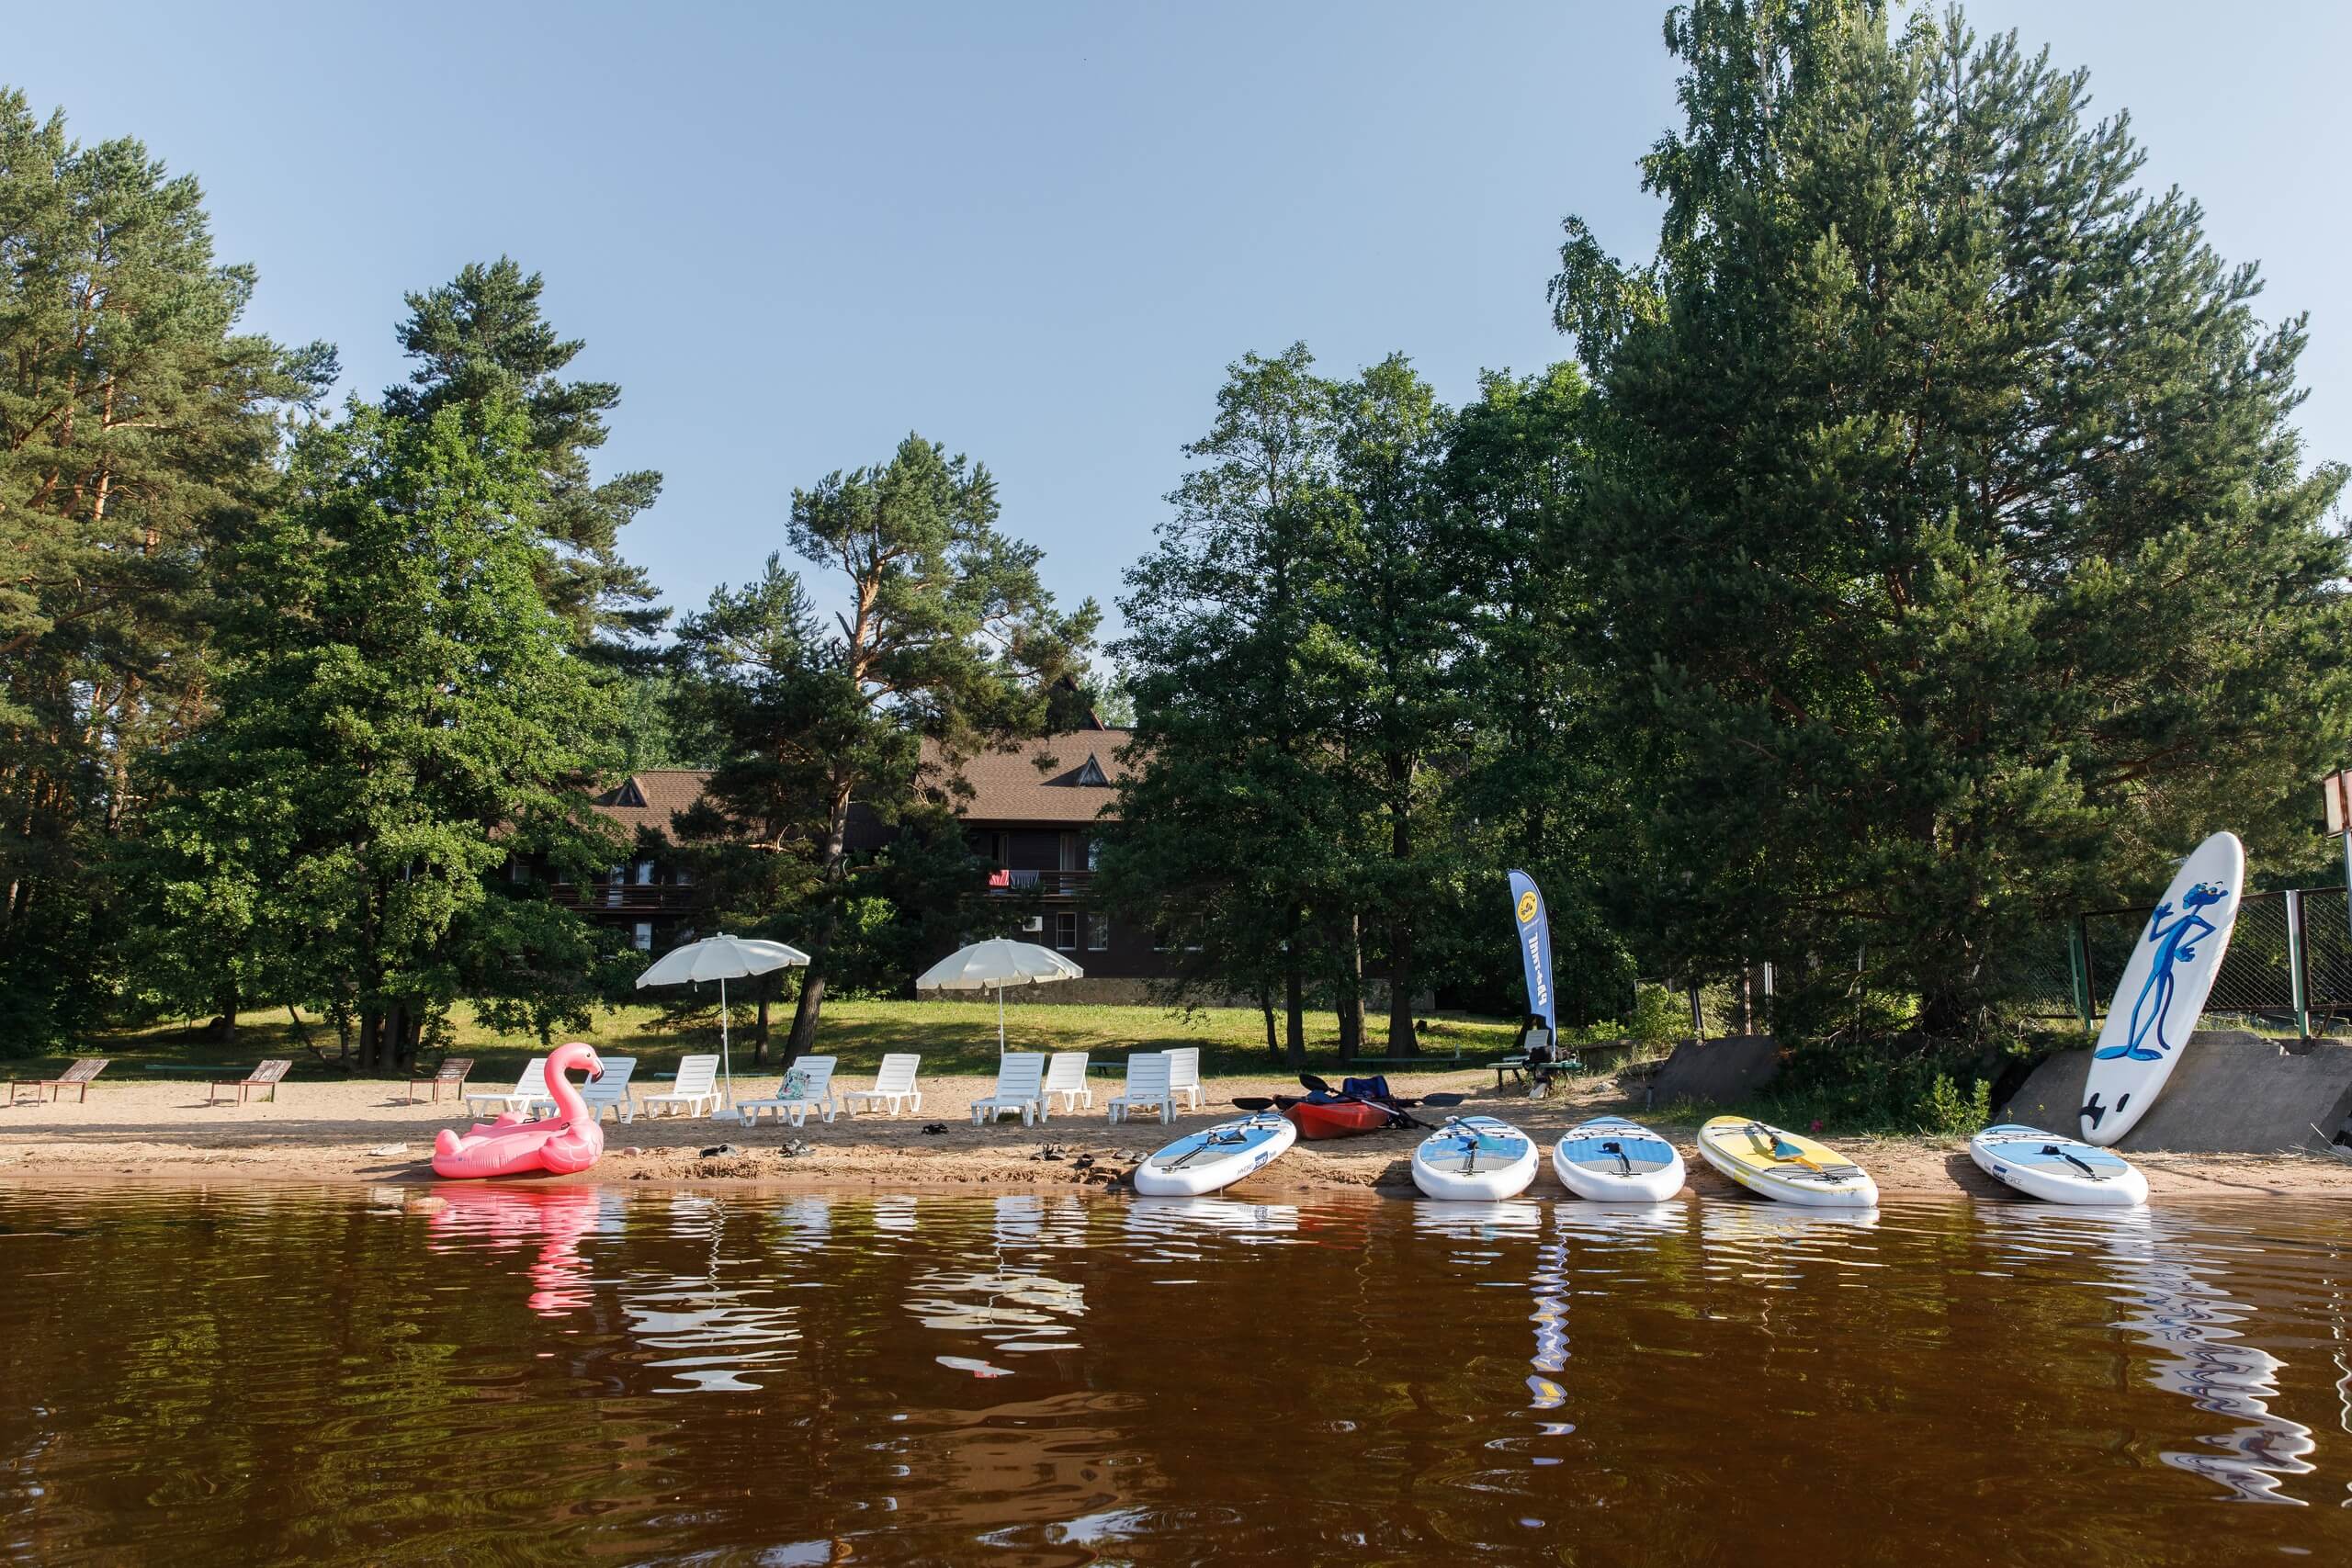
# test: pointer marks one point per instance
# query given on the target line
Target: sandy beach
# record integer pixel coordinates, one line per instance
(367, 1131)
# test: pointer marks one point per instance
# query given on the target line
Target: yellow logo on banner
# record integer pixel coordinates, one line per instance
(1526, 908)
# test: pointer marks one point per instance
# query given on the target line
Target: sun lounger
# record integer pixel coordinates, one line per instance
(808, 1086)
(263, 1076)
(530, 1087)
(450, 1073)
(610, 1092)
(1185, 1074)
(1065, 1076)
(1019, 1086)
(78, 1076)
(695, 1091)
(1147, 1085)
(893, 1086)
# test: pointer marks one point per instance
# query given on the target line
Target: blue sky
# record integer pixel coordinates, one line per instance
(1037, 233)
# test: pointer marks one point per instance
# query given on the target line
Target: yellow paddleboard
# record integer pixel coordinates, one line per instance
(1785, 1164)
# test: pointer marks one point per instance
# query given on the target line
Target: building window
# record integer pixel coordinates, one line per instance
(614, 879)
(682, 877)
(1066, 930)
(1094, 854)
(640, 936)
(645, 873)
(515, 870)
(1097, 931)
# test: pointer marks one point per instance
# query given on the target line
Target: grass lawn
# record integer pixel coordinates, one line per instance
(954, 1037)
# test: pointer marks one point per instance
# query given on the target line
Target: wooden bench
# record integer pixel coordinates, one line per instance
(79, 1075)
(451, 1072)
(264, 1077)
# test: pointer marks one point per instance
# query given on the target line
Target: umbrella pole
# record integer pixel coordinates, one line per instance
(725, 1065)
(999, 1023)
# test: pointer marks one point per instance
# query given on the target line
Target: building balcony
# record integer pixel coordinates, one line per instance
(1005, 883)
(623, 897)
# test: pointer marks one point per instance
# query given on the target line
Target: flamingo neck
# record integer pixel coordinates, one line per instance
(568, 1104)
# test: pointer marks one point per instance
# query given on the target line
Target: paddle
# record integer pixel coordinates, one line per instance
(1397, 1117)
(1785, 1152)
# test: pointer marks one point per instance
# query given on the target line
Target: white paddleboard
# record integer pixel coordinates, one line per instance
(2163, 989)
(1477, 1157)
(1612, 1160)
(2059, 1170)
(1216, 1158)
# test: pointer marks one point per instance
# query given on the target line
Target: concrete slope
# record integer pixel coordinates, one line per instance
(2233, 1092)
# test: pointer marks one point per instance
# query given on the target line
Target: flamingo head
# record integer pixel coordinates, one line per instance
(575, 1053)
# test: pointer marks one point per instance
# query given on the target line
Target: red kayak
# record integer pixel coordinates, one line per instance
(1337, 1118)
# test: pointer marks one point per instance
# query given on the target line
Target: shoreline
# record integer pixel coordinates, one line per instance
(364, 1133)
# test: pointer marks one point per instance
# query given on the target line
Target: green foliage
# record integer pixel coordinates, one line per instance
(480, 340)
(1957, 539)
(1953, 1113)
(951, 637)
(137, 429)
(399, 712)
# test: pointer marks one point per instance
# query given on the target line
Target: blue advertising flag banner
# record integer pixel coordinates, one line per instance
(1535, 932)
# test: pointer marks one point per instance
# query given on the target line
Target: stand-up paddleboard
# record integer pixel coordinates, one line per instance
(2163, 989)
(2061, 1170)
(1213, 1160)
(1782, 1165)
(1616, 1161)
(1475, 1158)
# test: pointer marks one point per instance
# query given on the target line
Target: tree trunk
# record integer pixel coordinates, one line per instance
(760, 1030)
(1402, 1041)
(1295, 995)
(812, 982)
(1351, 944)
(1273, 1041)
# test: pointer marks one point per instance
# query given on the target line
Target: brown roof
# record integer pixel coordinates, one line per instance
(1009, 787)
(646, 800)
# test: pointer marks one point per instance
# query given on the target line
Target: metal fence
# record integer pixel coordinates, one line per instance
(2289, 966)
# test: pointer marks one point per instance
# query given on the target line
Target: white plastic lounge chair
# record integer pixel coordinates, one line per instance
(1185, 1074)
(808, 1086)
(530, 1087)
(610, 1092)
(1147, 1085)
(893, 1086)
(1065, 1076)
(1020, 1080)
(695, 1092)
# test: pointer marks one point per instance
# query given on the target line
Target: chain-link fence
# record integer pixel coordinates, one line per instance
(2289, 966)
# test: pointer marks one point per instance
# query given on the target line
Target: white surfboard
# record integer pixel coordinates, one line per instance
(1477, 1157)
(1214, 1159)
(2058, 1170)
(1613, 1160)
(2174, 960)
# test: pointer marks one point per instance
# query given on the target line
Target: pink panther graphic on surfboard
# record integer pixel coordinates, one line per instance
(2163, 989)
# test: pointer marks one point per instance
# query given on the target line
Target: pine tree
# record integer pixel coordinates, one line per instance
(1957, 530)
(399, 713)
(481, 338)
(949, 636)
(138, 427)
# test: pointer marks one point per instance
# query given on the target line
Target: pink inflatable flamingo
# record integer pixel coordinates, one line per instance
(570, 1140)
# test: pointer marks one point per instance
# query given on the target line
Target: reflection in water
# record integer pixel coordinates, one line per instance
(2179, 1304)
(551, 1373)
(499, 1217)
(1771, 1245)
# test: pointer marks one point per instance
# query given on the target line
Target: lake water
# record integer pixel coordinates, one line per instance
(568, 1374)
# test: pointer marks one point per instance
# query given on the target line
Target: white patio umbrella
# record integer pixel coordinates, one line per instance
(721, 958)
(997, 964)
